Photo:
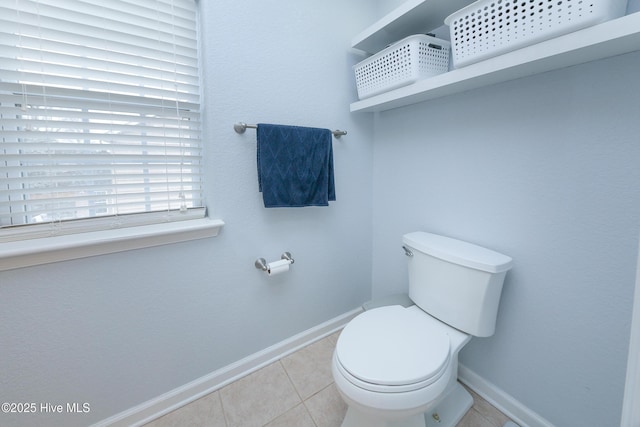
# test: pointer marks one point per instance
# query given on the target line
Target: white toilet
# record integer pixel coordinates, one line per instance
(397, 366)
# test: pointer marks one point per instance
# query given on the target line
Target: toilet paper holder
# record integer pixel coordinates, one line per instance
(261, 263)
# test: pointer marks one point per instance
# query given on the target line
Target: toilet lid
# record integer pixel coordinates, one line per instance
(393, 346)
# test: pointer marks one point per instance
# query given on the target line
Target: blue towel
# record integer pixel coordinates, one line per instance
(295, 166)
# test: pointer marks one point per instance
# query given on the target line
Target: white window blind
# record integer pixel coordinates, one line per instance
(99, 115)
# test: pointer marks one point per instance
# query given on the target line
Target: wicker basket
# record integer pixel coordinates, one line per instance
(489, 28)
(412, 58)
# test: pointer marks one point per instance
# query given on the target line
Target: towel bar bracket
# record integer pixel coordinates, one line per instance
(242, 127)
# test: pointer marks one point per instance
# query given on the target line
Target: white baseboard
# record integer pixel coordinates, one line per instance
(163, 404)
(505, 403)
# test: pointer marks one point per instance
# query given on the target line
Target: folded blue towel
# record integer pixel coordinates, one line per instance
(295, 166)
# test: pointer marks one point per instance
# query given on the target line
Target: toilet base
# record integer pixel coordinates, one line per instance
(451, 409)
(447, 413)
(359, 419)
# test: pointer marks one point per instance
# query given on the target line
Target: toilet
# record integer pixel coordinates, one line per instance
(397, 366)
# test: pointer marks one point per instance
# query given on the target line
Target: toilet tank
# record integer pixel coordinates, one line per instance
(455, 281)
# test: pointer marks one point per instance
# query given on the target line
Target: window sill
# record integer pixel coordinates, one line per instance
(32, 252)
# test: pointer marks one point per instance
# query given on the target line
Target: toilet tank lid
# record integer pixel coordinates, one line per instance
(458, 252)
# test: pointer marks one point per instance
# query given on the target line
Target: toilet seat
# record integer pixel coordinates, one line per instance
(393, 349)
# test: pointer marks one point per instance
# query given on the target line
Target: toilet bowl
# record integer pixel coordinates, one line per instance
(391, 364)
(397, 366)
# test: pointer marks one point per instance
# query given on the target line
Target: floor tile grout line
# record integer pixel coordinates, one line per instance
(304, 401)
(224, 411)
(306, 408)
(320, 391)
(300, 401)
(309, 398)
(290, 380)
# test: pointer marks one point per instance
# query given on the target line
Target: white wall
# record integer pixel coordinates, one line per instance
(117, 330)
(544, 169)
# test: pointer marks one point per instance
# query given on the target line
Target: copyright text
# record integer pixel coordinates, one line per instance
(45, 408)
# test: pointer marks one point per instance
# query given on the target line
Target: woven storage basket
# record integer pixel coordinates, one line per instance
(489, 28)
(412, 58)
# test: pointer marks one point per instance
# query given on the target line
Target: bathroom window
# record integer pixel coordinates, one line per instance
(99, 115)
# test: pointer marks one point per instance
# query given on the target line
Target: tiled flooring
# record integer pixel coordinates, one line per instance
(296, 391)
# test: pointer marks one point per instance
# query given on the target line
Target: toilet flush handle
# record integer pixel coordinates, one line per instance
(407, 252)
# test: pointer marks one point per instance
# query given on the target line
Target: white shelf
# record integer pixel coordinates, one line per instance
(412, 17)
(611, 38)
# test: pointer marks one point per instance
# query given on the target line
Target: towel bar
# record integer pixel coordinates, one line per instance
(240, 127)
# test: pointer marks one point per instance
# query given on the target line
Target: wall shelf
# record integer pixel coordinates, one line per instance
(412, 17)
(611, 38)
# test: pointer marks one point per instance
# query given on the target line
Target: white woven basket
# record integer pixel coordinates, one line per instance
(489, 28)
(412, 58)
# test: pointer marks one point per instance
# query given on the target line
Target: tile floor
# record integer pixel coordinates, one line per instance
(296, 391)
